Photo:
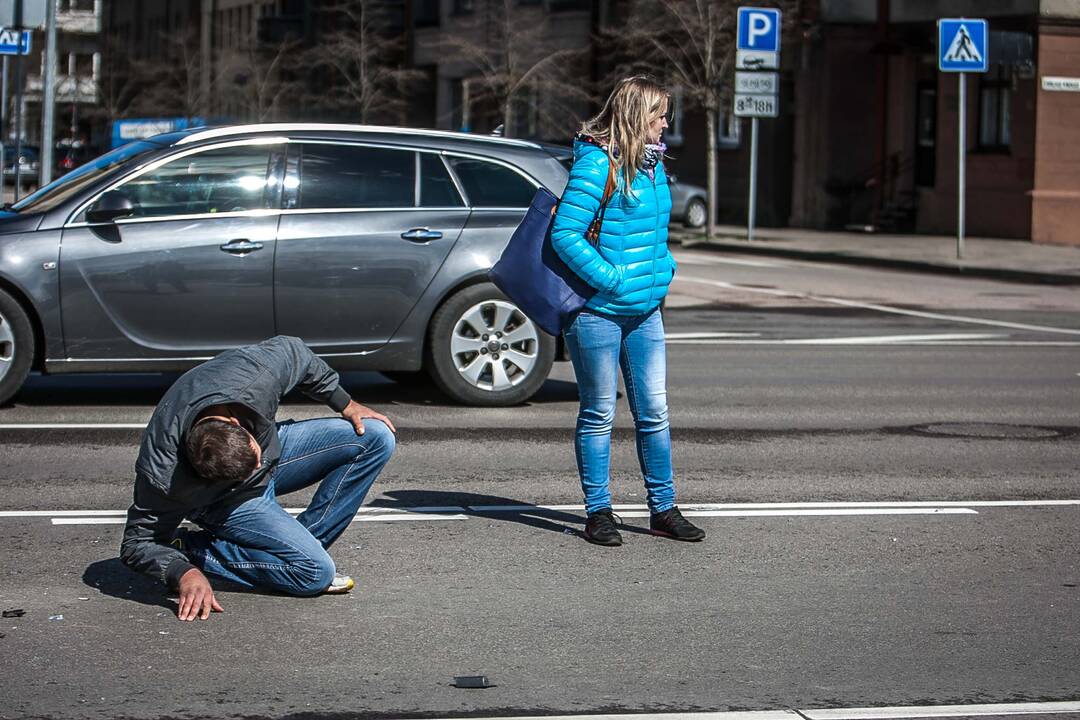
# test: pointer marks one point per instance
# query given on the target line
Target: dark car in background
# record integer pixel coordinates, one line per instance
(371, 244)
(29, 164)
(687, 201)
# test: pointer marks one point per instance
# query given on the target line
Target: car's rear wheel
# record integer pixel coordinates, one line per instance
(16, 346)
(482, 350)
(696, 213)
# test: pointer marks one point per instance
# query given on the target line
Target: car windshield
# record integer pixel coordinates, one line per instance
(63, 188)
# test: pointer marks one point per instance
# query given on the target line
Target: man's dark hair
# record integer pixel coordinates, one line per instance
(220, 451)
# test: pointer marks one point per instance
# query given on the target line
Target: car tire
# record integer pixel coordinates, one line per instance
(475, 371)
(16, 346)
(696, 213)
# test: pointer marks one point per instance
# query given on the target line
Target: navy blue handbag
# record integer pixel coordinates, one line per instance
(533, 275)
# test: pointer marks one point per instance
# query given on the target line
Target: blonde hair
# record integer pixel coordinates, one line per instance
(623, 122)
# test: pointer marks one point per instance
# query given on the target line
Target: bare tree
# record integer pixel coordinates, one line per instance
(690, 43)
(118, 83)
(256, 78)
(514, 61)
(172, 83)
(365, 60)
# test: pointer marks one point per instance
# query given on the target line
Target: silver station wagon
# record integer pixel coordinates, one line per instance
(372, 244)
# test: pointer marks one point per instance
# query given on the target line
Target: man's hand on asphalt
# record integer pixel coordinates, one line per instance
(196, 596)
(355, 413)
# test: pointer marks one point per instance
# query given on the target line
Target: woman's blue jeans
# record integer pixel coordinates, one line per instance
(258, 544)
(598, 346)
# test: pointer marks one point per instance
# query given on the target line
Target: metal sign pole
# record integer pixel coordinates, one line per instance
(18, 98)
(752, 205)
(3, 119)
(962, 157)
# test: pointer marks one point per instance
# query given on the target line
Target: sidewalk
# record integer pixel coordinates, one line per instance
(1012, 260)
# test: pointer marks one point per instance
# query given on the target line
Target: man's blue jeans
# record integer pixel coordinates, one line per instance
(258, 544)
(598, 345)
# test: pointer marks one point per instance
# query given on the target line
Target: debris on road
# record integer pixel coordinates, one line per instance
(56, 617)
(14, 612)
(472, 681)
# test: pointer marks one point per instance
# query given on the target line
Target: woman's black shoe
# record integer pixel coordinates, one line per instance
(600, 528)
(672, 524)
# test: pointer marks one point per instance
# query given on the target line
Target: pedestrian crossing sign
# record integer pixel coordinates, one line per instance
(962, 45)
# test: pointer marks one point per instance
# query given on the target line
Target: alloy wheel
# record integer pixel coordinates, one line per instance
(494, 346)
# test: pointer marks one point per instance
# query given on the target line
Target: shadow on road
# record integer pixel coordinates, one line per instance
(111, 577)
(559, 521)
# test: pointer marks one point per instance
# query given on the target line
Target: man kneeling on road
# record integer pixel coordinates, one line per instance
(212, 454)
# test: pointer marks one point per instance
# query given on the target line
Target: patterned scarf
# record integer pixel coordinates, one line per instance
(654, 153)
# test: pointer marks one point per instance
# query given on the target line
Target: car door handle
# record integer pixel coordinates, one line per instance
(241, 246)
(421, 234)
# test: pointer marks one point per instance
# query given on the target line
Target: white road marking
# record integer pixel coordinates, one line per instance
(876, 307)
(72, 426)
(625, 507)
(383, 517)
(709, 260)
(674, 337)
(869, 713)
(947, 338)
(927, 711)
(809, 512)
(914, 343)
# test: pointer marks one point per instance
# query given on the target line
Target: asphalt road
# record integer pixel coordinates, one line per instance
(885, 464)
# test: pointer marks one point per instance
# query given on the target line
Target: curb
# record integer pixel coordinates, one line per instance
(925, 266)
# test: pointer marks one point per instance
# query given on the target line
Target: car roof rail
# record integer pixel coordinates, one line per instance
(228, 130)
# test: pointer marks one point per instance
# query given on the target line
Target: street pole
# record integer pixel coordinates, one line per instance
(962, 157)
(18, 97)
(3, 118)
(752, 205)
(48, 101)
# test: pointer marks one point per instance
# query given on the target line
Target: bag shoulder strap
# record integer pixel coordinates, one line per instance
(593, 233)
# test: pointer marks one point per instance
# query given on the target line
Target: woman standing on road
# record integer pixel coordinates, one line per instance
(630, 267)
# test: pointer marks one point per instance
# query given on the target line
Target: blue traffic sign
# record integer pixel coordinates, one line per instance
(759, 29)
(962, 45)
(14, 42)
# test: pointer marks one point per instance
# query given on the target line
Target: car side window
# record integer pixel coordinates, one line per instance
(231, 179)
(491, 185)
(436, 187)
(352, 176)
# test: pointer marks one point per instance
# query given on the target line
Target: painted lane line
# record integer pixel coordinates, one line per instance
(950, 338)
(385, 517)
(821, 512)
(708, 335)
(73, 426)
(624, 507)
(878, 308)
(808, 342)
(731, 715)
(928, 711)
(705, 260)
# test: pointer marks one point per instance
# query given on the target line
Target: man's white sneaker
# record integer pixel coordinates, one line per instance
(341, 584)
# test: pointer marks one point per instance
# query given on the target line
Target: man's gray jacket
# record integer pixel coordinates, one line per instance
(166, 486)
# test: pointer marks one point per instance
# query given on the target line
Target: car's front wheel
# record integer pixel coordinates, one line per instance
(482, 350)
(16, 346)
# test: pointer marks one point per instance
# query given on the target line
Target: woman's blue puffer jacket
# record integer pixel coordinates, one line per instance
(631, 268)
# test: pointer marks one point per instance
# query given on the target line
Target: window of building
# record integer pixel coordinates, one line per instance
(729, 130)
(464, 7)
(436, 187)
(84, 65)
(490, 185)
(216, 181)
(995, 109)
(351, 176)
(673, 136)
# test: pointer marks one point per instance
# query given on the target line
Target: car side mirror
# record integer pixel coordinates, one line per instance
(110, 206)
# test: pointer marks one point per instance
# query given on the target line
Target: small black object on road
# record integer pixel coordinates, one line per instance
(472, 681)
(16, 612)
